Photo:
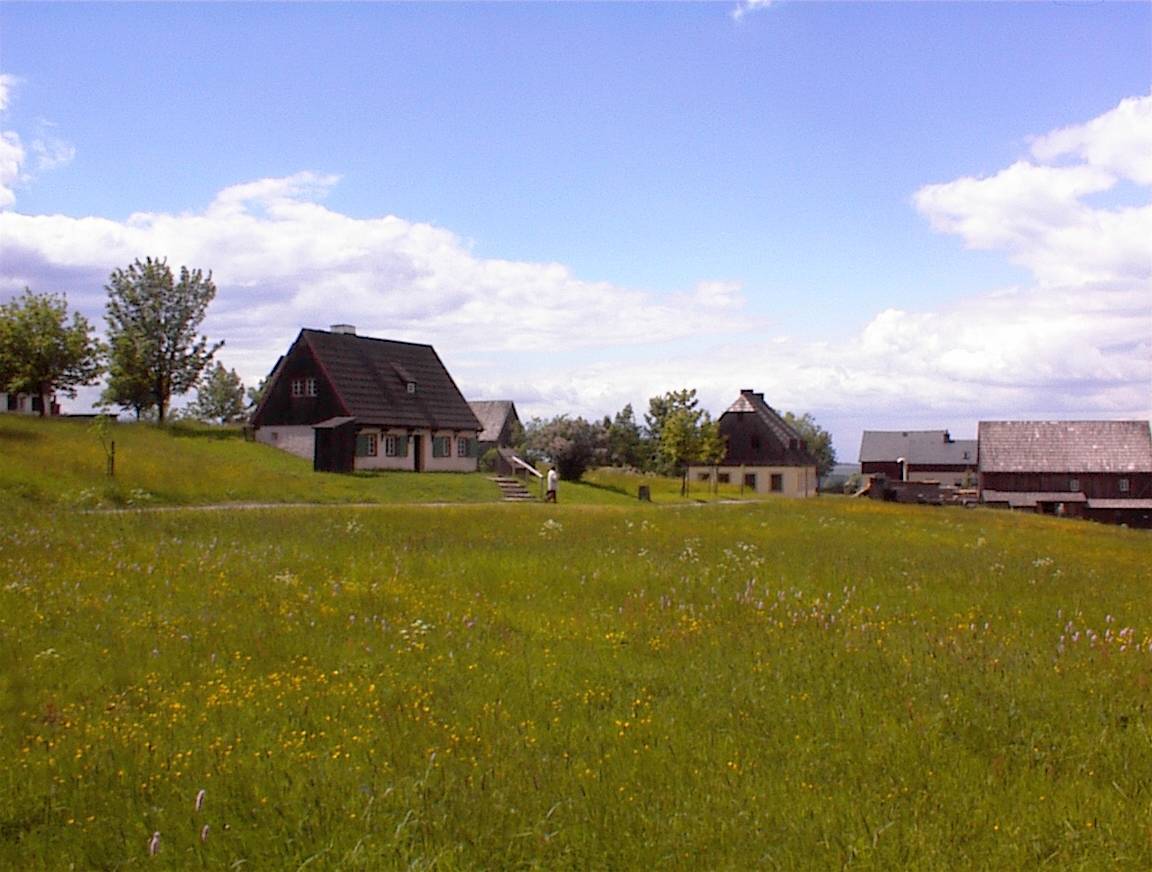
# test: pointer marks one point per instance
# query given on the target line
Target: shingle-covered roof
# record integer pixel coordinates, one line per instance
(1065, 446)
(492, 414)
(917, 447)
(789, 450)
(749, 401)
(371, 378)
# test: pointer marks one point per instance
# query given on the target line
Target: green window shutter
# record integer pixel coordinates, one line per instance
(402, 445)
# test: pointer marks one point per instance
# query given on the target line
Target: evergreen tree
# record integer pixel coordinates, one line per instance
(153, 321)
(625, 442)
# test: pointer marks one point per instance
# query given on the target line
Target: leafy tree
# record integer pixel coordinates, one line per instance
(625, 444)
(570, 444)
(41, 353)
(818, 439)
(256, 394)
(711, 447)
(660, 408)
(130, 384)
(220, 397)
(153, 320)
(689, 436)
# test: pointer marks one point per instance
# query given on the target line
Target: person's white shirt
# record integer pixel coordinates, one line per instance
(552, 479)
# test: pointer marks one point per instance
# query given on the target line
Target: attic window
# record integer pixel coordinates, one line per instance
(303, 387)
(411, 387)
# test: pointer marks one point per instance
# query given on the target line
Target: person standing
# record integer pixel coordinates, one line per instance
(553, 480)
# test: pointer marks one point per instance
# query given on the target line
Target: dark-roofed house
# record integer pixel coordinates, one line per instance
(1096, 469)
(351, 402)
(499, 422)
(918, 455)
(761, 451)
(501, 430)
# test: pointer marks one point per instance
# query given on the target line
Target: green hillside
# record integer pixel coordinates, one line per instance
(63, 462)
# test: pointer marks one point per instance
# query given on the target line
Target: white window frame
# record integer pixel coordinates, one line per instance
(309, 387)
(391, 446)
(1125, 485)
(297, 387)
(373, 446)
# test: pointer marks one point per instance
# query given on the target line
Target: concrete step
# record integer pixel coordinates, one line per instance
(512, 489)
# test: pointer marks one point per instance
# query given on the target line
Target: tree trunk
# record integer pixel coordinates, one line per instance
(44, 401)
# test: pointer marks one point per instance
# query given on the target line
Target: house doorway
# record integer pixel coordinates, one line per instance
(417, 453)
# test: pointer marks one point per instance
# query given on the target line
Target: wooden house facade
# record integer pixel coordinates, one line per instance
(350, 402)
(1094, 469)
(761, 451)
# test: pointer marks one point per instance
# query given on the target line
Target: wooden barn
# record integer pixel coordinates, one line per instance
(762, 451)
(1094, 469)
(350, 402)
(501, 429)
(919, 455)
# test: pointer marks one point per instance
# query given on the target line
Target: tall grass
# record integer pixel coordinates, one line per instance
(778, 685)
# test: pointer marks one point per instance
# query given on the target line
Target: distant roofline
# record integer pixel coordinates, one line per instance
(370, 338)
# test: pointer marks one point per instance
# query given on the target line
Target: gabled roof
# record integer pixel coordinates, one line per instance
(492, 415)
(371, 378)
(919, 447)
(1065, 446)
(792, 449)
(750, 401)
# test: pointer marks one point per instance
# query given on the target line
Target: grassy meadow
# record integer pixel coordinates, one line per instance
(780, 684)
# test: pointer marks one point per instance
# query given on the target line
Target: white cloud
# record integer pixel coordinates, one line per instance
(744, 7)
(1075, 341)
(11, 161)
(1119, 141)
(282, 260)
(51, 151)
(7, 83)
(11, 149)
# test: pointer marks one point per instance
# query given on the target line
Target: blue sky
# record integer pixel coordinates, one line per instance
(581, 205)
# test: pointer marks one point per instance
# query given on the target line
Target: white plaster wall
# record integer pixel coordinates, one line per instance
(446, 464)
(382, 462)
(799, 481)
(297, 439)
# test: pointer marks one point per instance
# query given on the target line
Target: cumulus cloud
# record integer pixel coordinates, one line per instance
(1075, 340)
(283, 260)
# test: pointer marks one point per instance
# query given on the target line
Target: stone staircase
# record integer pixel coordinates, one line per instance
(512, 489)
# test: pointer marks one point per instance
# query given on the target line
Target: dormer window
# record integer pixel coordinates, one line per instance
(411, 387)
